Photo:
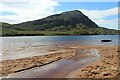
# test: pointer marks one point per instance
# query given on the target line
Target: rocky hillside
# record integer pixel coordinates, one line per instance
(67, 23)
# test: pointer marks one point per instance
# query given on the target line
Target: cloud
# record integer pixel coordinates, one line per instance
(112, 24)
(99, 17)
(28, 10)
(98, 14)
(66, 0)
(88, 0)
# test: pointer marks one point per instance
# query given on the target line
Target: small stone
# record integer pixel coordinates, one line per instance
(106, 74)
(95, 73)
(118, 51)
(97, 66)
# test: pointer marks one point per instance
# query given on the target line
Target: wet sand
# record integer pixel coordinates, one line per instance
(105, 67)
(61, 68)
(17, 65)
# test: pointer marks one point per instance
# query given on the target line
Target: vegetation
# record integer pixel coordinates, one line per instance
(67, 23)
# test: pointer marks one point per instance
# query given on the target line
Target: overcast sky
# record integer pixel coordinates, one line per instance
(105, 14)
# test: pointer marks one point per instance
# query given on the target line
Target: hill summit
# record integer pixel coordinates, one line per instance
(67, 23)
(68, 20)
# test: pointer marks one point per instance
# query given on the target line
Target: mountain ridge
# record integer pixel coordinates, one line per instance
(67, 23)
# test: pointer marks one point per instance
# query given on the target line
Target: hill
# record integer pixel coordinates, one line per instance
(67, 23)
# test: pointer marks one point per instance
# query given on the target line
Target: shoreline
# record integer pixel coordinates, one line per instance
(105, 67)
(22, 64)
(54, 35)
(61, 68)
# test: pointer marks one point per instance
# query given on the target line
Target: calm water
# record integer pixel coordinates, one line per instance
(39, 45)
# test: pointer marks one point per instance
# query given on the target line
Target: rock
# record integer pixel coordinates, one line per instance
(106, 74)
(106, 40)
(95, 73)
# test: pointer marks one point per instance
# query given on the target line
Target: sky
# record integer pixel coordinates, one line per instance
(105, 14)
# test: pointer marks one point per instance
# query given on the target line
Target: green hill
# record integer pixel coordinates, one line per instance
(67, 23)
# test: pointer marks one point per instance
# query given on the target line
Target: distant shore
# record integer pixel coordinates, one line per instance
(53, 35)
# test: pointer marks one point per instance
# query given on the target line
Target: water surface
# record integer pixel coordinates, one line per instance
(27, 46)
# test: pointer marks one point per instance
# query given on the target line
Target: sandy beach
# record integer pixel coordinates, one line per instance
(17, 65)
(105, 67)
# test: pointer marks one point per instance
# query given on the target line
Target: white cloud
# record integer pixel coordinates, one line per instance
(98, 16)
(88, 0)
(112, 24)
(66, 0)
(28, 10)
